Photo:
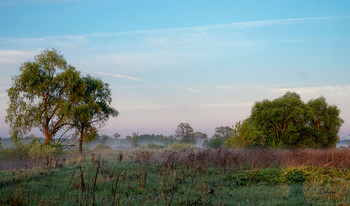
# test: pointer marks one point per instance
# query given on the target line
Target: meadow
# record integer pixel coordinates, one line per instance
(181, 177)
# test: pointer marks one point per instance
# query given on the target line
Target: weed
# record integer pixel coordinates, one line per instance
(194, 177)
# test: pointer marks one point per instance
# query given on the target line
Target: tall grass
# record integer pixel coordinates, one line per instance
(249, 158)
(193, 177)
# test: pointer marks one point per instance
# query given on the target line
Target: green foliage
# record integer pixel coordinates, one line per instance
(215, 142)
(40, 150)
(223, 132)
(181, 147)
(289, 122)
(134, 139)
(51, 95)
(325, 174)
(269, 176)
(130, 182)
(245, 135)
(33, 150)
(281, 120)
(41, 95)
(159, 139)
(199, 135)
(93, 110)
(154, 146)
(184, 133)
(295, 176)
(89, 134)
(323, 123)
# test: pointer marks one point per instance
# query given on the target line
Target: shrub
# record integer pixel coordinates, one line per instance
(35, 149)
(154, 146)
(39, 150)
(295, 175)
(215, 142)
(271, 176)
(268, 176)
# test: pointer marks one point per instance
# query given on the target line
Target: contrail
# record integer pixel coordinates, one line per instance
(118, 76)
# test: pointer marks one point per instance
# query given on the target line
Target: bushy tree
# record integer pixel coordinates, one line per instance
(215, 142)
(134, 139)
(42, 95)
(281, 120)
(289, 122)
(223, 132)
(184, 133)
(93, 110)
(245, 135)
(323, 122)
(200, 136)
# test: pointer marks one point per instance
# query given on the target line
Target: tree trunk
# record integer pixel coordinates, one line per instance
(81, 141)
(47, 140)
(47, 135)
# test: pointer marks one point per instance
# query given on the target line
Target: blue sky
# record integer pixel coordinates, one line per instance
(201, 62)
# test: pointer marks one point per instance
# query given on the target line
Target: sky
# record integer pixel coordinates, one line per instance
(200, 62)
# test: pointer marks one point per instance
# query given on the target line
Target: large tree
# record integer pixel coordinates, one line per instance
(323, 122)
(92, 111)
(281, 119)
(41, 95)
(289, 122)
(223, 132)
(184, 132)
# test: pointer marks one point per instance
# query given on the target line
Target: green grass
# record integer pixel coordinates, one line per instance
(143, 183)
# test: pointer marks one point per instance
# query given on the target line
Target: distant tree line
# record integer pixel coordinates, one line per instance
(285, 122)
(134, 140)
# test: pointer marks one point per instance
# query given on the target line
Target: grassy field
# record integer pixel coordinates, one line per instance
(205, 177)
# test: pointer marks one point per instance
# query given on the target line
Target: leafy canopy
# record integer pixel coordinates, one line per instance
(51, 95)
(184, 132)
(41, 95)
(289, 122)
(93, 110)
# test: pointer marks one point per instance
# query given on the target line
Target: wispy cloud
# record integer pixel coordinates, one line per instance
(146, 107)
(14, 56)
(118, 76)
(190, 89)
(193, 90)
(233, 25)
(204, 28)
(237, 87)
(334, 90)
(247, 104)
(189, 106)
